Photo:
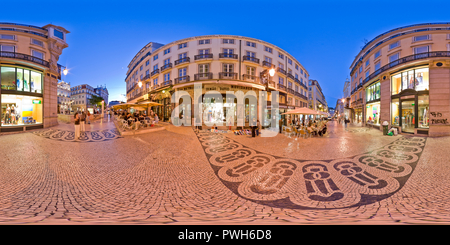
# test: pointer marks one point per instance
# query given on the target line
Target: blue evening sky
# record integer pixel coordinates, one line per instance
(324, 36)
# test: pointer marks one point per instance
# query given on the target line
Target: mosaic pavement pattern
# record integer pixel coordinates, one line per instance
(304, 184)
(88, 136)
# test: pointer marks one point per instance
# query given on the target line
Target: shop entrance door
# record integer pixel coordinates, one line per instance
(408, 116)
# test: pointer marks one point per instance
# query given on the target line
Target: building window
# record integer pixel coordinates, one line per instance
(203, 68)
(422, 49)
(251, 44)
(155, 81)
(289, 61)
(394, 57)
(5, 36)
(147, 62)
(182, 72)
(394, 45)
(268, 60)
(155, 67)
(140, 68)
(268, 49)
(166, 61)
(229, 41)
(147, 72)
(421, 38)
(203, 51)
(37, 54)
(37, 42)
(417, 79)
(228, 51)
(251, 70)
(367, 73)
(166, 51)
(155, 57)
(251, 54)
(377, 54)
(182, 45)
(367, 63)
(205, 41)
(280, 80)
(166, 77)
(280, 55)
(58, 34)
(182, 55)
(377, 66)
(7, 48)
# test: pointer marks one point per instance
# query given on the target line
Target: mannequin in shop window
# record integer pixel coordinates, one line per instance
(8, 115)
(411, 83)
(425, 117)
(419, 79)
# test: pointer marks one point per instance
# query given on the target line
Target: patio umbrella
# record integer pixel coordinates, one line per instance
(303, 111)
(123, 106)
(147, 104)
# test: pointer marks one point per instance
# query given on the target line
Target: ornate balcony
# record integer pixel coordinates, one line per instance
(182, 60)
(228, 56)
(203, 76)
(182, 79)
(166, 66)
(268, 64)
(13, 55)
(251, 59)
(228, 75)
(251, 78)
(281, 70)
(154, 72)
(203, 56)
(289, 75)
(166, 83)
(281, 87)
(406, 59)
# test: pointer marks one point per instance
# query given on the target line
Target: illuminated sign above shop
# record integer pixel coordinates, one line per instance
(36, 102)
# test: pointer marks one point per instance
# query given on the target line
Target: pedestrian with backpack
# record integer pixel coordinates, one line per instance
(83, 121)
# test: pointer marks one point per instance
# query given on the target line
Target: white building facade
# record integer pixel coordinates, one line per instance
(219, 63)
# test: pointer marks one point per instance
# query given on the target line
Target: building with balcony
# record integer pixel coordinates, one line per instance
(64, 101)
(316, 98)
(402, 77)
(102, 92)
(29, 75)
(81, 95)
(219, 63)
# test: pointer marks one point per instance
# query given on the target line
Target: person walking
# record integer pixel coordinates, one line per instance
(77, 125)
(280, 124)
(346, 121)
(258, 128)
(88, 117)
(82, 121)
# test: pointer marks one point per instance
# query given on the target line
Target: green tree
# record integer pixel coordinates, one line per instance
(96, 100)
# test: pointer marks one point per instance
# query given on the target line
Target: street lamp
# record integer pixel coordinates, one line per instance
(65, 71)
(140, 84)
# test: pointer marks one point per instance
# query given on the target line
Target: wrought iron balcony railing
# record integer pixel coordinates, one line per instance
(203, 76)
(251, 78)
(182, 60)
(251, 59)
(182, 79)
(14, 55)
(154, 72)
(228, 75)
(228, 56)
(166, 66)
(203, 56)
(268, 64)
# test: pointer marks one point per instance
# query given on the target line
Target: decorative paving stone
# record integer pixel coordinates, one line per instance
(301, 184)
(88, 136)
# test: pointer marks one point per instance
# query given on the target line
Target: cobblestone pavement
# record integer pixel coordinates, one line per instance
(176, 176)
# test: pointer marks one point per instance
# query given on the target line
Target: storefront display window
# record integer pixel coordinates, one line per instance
(424, 111)
(373, 92)
(16, 78)
(416, 79)
(20, 110)
(373, 113)
(395, 120)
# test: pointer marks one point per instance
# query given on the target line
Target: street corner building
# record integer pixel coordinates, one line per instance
(29, 75)
(402, 77)
(219, 63)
